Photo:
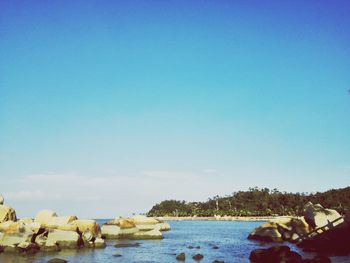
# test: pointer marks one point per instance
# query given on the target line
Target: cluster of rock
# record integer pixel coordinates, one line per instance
(47, 232)
(50, 232)
(290, 229)
(135, 227)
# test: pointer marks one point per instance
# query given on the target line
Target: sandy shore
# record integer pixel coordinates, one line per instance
(223, 218)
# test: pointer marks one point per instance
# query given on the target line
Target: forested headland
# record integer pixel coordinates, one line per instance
(255, 202)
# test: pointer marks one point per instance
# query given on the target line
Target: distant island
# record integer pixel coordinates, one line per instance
(254, 202)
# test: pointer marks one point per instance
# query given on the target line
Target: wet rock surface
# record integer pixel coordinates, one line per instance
(181, 257)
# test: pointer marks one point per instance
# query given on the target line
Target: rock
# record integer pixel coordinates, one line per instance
(40, 240)
(117, 255)
(50, 246)
(57, 260)
(7, 213)
(122, 223)
(146, 227)
(181, 257)
(198, 257)
(163, 226)
(25, 220)
(44, 217)
(64, 239)
(144, 223)
(28, 248)
(279, 229)
(115, 232)
(9, 227)
(143, 220)
(83, 225)
(15, 234)
(275, 254)
(215, 247)
(152, 234)
(267, 232)
(1, 200)
(10, 249)
(88, 236)
(123, 245)
(99, 243)
(317, 216)
(218, 261)
(192, 247)
(110, 231)
(56, 221)
(88, 225)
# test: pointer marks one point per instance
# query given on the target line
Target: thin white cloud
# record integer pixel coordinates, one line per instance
(209, 171)
(170, 175)
(72, 193)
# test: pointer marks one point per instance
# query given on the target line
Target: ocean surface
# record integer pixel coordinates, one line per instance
(229, 237)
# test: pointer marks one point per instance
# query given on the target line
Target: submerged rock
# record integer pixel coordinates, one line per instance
(198, 257)
(57, 260)
(123, 245)
(181, 257)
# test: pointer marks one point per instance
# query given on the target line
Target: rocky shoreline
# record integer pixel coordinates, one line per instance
(48, 232)
(320, 230)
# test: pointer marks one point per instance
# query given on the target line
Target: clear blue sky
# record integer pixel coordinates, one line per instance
(109, 106)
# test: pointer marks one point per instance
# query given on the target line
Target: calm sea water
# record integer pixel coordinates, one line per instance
(230, 237)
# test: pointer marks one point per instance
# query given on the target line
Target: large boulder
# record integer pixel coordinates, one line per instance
(318, 216)
(152, 234)
(7, 213)
(84, 225)
(143, 220)
(280, 229)
(64, 239)
(144, 223)
(267, 232)
(122, 223)
(57, 221)
(44, 217)
(12, 239)
(110, 231)
(118, 228)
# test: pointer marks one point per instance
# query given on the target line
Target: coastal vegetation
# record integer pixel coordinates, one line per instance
(255, 202)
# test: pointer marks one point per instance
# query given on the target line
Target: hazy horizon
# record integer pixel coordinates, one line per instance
(109, 107)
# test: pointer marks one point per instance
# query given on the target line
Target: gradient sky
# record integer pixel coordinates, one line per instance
(107, 107)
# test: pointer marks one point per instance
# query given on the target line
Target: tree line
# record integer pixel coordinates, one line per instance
(255, 202)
